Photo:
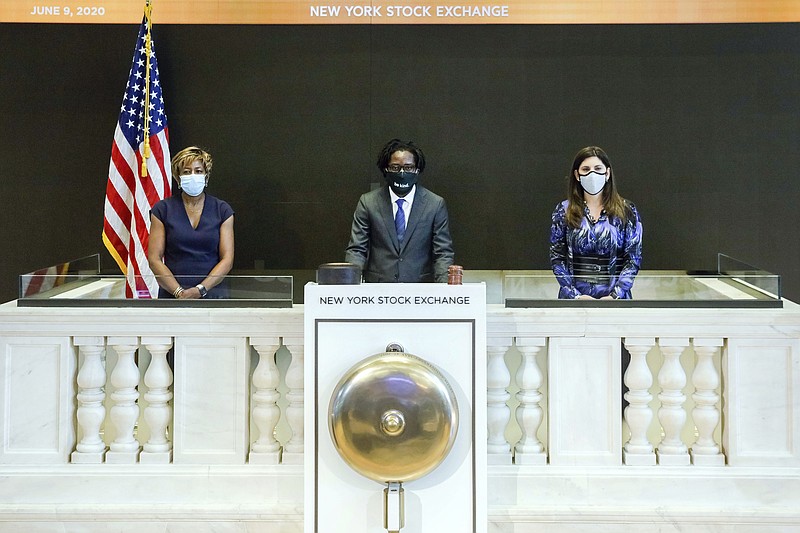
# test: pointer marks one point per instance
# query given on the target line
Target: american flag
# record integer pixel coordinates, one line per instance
(134, 188)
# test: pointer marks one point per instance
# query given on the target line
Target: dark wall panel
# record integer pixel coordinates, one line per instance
(701, 123)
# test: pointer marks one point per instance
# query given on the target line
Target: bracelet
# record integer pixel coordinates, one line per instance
(177, 292)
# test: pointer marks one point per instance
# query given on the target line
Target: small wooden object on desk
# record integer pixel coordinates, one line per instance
(455, 274)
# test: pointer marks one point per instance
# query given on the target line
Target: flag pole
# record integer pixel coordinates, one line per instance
(132, 191)
(148, 9)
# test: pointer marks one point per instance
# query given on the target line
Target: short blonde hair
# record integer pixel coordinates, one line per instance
(189, 155)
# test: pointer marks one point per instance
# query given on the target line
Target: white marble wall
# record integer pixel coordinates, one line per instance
(553, 420)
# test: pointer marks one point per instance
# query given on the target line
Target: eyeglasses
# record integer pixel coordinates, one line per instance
(404, 168)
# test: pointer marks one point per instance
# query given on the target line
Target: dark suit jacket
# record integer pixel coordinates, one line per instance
(427, 248)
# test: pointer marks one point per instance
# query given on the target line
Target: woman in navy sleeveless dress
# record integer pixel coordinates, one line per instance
(191, 233)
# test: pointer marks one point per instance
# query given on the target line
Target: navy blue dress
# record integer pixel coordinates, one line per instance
(190, 253)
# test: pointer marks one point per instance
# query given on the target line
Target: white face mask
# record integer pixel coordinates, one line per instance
(593, 182)
(193, 184)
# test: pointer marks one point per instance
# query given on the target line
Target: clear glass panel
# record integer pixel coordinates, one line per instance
(49, 279)
(736, 284)
(760, 280)
(81, 284)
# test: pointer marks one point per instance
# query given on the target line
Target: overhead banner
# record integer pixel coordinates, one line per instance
(404, 12)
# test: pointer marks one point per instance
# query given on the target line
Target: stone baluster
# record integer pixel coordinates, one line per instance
(705, 378)
(498, 414)
(529, 450)
(672, 378)
(124, 413)
(638, 450)
(266, 413)
(157, 414)
(293, 450)
(91, 392)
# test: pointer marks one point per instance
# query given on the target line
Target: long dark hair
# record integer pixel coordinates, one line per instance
(615, 205)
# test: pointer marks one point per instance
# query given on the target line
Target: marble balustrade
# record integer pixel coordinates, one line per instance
(555, 387)
(123, 388)
(111, 398)
(703, 388)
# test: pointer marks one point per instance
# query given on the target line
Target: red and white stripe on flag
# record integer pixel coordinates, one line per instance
(131, 193)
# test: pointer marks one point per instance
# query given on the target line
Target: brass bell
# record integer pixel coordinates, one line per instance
(393, 418)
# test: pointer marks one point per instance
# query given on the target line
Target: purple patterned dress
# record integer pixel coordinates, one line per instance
(599, 258)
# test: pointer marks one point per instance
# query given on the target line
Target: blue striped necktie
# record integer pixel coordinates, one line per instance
(400, 221)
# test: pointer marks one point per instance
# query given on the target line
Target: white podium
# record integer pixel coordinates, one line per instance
(446, 326)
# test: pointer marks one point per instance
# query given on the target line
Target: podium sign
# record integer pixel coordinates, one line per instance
(445, 325)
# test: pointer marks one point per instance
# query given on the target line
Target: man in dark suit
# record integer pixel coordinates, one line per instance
(401, 232)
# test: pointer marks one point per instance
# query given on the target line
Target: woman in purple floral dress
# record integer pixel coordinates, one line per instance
(596, 235)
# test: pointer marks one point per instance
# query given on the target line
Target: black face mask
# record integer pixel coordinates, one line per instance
(401, 182)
